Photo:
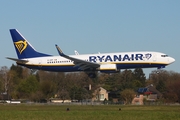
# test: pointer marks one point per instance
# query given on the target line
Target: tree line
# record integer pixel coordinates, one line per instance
(20, 83)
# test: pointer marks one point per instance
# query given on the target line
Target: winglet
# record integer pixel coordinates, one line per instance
(59, 50)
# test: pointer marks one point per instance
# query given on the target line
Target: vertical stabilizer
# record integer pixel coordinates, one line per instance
(23, 48)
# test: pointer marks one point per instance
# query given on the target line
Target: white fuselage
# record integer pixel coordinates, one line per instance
(122, 60)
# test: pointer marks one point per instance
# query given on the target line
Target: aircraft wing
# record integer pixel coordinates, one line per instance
(84, 65)
(18, 60)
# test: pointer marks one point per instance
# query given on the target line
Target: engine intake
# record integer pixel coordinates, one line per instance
(108, 68)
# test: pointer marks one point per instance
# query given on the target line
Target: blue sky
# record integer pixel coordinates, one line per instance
(91, 26)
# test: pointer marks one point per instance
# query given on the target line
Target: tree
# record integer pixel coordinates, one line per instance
(127, 95)
(173, 91)
(170, 97)
(5, 78)
(137, 84)
(48, 88)
(63, 94)
(167, 82)
(161, 75)
(78, 93)
(37, 96)
(161, 87)
(140, 76)
(6, 81)
(28, 86)
(18, 69)
(126, 79)
(1, 85)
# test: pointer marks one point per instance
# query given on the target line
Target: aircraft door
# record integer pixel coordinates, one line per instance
(40, 63)
(154, 57)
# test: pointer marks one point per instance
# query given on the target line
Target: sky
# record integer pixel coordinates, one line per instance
(92, 26)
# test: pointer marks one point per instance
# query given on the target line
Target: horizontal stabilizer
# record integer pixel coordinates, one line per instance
(18, 60)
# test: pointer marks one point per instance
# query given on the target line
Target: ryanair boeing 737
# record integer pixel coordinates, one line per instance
(89, 63)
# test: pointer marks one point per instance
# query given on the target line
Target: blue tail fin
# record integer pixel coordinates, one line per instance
(23, 48)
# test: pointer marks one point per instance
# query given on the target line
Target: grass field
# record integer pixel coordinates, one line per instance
(87, 112)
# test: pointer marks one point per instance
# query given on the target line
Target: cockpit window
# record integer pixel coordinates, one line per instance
(164, 55)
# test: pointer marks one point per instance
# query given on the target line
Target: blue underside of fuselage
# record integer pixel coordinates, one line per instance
(73, 69)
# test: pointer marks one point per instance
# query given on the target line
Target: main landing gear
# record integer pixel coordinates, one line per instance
(159, 69)
(33, 71)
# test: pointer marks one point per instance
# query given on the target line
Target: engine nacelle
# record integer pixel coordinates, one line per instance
(108, 68)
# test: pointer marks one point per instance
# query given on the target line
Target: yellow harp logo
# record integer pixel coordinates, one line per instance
(21, 45)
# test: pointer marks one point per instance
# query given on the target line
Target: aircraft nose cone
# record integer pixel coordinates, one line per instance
(171, 60)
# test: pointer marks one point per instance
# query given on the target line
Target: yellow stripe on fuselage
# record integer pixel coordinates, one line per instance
(55, 64)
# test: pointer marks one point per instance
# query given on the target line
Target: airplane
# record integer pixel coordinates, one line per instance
(89, 63)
